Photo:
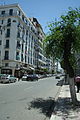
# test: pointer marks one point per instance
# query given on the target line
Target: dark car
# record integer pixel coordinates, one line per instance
(57, 76)
(32, 77)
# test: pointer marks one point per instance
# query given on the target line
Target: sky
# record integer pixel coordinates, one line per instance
(44, 10)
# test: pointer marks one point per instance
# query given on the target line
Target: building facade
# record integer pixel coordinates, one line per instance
(21, 41)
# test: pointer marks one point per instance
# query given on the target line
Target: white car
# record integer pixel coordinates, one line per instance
(24, 78)
(12, 79)
(8, 79)
(4, 79)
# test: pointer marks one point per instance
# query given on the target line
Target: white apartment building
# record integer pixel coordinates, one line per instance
(41, 59)
(21, 41)
(49, 65)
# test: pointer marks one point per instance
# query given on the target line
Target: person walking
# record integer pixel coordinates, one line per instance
(77, 80)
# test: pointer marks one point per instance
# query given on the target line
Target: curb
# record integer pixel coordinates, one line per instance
(53, 116)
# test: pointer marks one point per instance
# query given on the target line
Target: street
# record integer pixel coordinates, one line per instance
(25, 100)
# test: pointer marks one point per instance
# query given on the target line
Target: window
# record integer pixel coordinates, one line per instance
(26, 39)
(0, 42)
(1, 32)
(31, 60)
(26, 22)
(2, 21)
(7, 43)
(17, 53)
(18, 44)
(9, 22)
(19, 13)
(16, 65)
(22, 47)
(6, 64)
(8, 33)
(6, 57)
(26, 32)
(3, 12)
(11, 12)
(0, 53)
(18, 34)
(22, 57)
(29, 36)
(28, 59)
(25, 58)
(17, 56)
(23, 17)
(14, 20)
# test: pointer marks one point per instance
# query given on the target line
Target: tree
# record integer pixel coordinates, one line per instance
(63, 43)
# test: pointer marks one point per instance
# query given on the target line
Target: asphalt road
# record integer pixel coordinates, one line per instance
(25, 100)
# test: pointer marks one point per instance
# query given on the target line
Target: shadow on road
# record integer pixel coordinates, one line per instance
(44, 105)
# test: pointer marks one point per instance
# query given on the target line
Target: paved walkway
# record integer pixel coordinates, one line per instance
(64, 109)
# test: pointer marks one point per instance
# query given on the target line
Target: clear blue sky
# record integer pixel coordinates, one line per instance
(44, 10)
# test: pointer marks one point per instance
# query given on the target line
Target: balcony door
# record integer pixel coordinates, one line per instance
(11, 12)
(6, 55)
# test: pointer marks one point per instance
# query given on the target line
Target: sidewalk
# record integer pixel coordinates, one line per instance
(64, 109)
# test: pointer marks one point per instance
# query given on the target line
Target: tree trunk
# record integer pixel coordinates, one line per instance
(67, 56)
(66, 79)
(73, 91)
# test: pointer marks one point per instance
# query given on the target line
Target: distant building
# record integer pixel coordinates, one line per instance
(49, 65)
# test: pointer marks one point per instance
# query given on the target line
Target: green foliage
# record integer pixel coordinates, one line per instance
(64, 36)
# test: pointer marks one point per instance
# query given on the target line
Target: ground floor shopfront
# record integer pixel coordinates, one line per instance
(17, 72)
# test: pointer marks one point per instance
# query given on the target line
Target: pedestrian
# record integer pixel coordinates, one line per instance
(77, 80)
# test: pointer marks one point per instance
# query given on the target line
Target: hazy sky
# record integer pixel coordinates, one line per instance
(44, 10)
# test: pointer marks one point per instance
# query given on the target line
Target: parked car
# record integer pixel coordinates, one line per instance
(4, 79)
(57, 76)
(12, 79)
(32, 77)
(8, 79)
(24, 77)
(1, 75)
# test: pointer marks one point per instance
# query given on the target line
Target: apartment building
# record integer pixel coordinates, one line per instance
(49, 65)
(21, 41)
(39, 51)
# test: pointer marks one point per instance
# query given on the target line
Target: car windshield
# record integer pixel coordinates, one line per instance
(11, 76)
(5, 75)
